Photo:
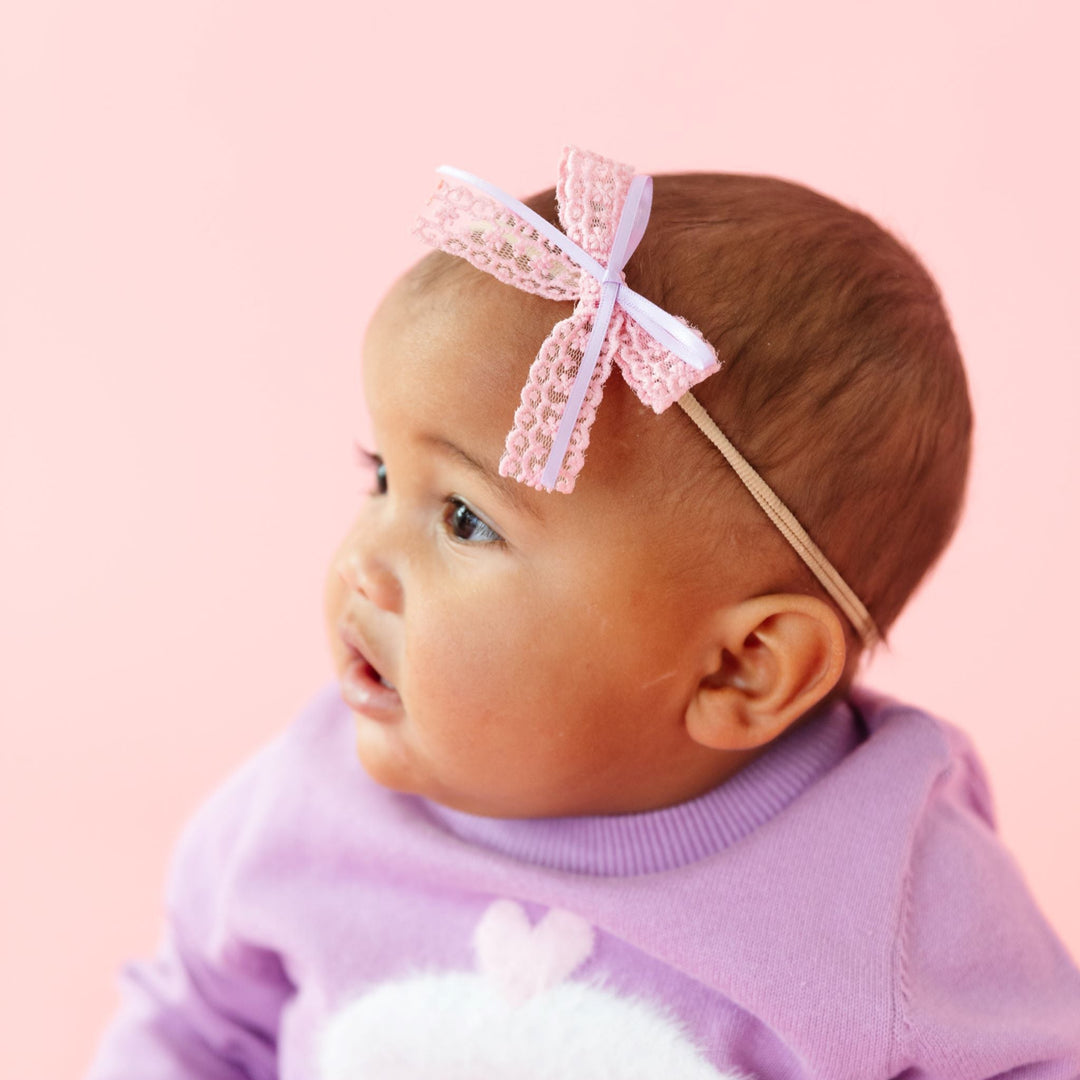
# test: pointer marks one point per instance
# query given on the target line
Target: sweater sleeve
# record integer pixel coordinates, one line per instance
(986, 987)
(207, 1004)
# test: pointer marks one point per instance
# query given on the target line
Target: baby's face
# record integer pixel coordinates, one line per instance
(534, 643)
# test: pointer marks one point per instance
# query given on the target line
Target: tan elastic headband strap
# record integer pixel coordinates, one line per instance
(786, 522)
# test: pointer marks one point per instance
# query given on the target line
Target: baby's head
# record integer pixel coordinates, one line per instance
(633, 643)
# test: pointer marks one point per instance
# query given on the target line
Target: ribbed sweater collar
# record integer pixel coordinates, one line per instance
(622, 845)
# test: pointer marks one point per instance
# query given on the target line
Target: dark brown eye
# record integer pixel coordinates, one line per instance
(465, 525)
(369, 460)
(381, 486)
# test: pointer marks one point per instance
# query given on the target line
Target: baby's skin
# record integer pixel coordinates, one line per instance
(518, 653)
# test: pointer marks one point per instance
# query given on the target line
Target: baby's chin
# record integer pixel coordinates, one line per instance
(386, 759)
(383, 755)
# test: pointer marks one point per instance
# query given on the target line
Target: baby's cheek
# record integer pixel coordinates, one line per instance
(450, 694)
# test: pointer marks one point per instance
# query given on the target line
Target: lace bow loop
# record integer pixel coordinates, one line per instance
(604, 209)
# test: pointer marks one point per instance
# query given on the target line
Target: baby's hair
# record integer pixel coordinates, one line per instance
(842, 383)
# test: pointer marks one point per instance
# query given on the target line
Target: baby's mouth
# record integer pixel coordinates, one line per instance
(357, 658)
(374, 673)
(364, 687)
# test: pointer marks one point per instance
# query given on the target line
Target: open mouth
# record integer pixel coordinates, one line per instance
(363, 686)
(370, 671)
(373, 673)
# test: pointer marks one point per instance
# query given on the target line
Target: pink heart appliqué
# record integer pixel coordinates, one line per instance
(524, 960)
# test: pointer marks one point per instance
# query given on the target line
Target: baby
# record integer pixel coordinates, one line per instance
(630, 815)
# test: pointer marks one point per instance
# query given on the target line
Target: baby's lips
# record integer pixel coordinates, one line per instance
(366, 693)
(359, 649)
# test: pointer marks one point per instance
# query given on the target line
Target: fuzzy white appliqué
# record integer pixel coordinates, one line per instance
(519, 1017)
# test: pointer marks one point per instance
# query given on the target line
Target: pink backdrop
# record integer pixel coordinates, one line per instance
(201, 203)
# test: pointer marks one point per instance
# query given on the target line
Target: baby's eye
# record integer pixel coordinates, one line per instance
(381, 486)
(375, 463)
(378, 468)
(463, 524)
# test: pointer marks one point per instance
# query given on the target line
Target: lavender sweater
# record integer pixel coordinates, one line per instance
(839, 909)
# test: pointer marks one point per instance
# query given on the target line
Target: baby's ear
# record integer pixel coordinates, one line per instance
(773, 659)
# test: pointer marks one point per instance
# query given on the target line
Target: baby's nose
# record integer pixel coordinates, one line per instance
(366, 571)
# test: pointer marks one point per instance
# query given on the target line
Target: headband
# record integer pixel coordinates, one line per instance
(603, 208)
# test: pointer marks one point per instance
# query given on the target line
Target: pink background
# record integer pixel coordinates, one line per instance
(201, 203)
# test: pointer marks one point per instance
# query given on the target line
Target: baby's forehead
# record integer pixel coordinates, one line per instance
(460, 326)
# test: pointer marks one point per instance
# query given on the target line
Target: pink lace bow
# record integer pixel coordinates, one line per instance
(604, 209)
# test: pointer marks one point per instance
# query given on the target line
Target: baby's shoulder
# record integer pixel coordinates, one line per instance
(291, 796)
(969, 931)
(930, 760)
(303, 746)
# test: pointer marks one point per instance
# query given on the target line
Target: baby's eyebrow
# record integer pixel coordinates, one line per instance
(508, 489)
